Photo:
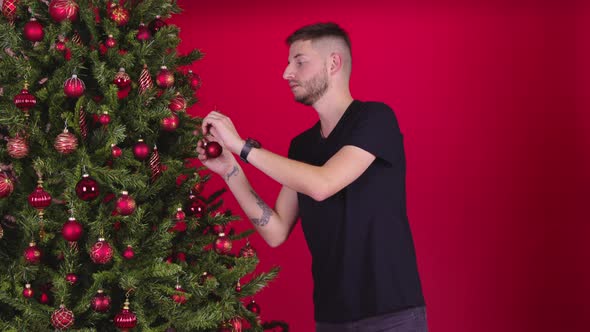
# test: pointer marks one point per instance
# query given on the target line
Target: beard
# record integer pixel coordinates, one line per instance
(314, 89)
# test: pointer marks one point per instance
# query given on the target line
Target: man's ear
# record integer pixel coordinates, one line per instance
(335, 62)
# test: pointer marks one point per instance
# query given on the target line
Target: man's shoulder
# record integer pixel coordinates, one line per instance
(305, 135)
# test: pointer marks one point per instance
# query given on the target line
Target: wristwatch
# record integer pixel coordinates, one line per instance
(250, 143)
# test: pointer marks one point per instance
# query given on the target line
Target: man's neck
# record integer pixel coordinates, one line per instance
(330, 110)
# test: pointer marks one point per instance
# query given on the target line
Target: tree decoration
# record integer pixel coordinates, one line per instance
(125, 204)
(72, 230)
(62, 318)
(155, 165)
(25, 100)
(223, 244)
(165, 78)
(66, 142)
(61, 10)
(33, 254)
(33, 30)
(74, 87)
(101, 252)
(87, 188)
(101, 302)
(145, 80)
(157, 24)
(17, 147)
(141, 150)
(125, 319)
(6, 185)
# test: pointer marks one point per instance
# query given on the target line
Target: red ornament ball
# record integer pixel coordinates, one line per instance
(9, 9)
(248, 251)
(33, 31)
(116, 151)
(122, 79)
(157, 24)
(194, 80)
(60, 46)
(125, 319)
(178, 103)
(180, 226)
(223, 244)
(74, 87)
(141, 150)
(28, 291)
(253, 307)
(143, 33)
(110, 42)
(71, 278)
(62, 318)
(66, 142)
(104, 119)
(179, 296)
(213, 149)
(125, 204)
(165, 78)
(170, 123)
(87, 189)
(100, 302)
(72, 230)
(101, 252)
(44, 298)
(195, 207)
(33, 254)
(39, 198)
(179, 215)
(6, 185)
(128, 253)
(17, 147)
(61, 10)
(119, 15)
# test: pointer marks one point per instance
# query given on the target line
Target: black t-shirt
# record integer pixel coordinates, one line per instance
(363, 258)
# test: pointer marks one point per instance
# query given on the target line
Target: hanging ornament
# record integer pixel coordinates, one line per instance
(100, 302)
(116, 151)
(238, 287)
(157, 24)
(128, 253)
(195, 207)
(155, 165)
(236, 324)
(44, 298)
(62, 318)
(33, 30)
(87, 188)
(104, 119)
(217, 229)
(24, 100)
(125, 319)
(122, 79)
(141, 150)
(253, 307)
(82, 123)
(76, 38)
(6, 185)
(17, 147)
(32, 254)
(28, 291)
(179, 296)
(170, 123)
(194, 80)
(39, 198)
(72, 230)
(119, 15)
(197, 187)
(74, 87)
(165, 78)
(178, 103)
(206, 276)
(125, 204)
(110, 42)
(223, 244)
(248, 250)
(179, 215)
(212, 149)
(179, 226)
(143, 33)
(71, 278)
(101, 252)
(66, 142)
(60, 44)
(145, 80)
(61, 10)
(9, 9)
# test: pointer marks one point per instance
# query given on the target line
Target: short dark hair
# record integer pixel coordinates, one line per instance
(317, 31)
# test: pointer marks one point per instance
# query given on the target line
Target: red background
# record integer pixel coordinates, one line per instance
(493, 100)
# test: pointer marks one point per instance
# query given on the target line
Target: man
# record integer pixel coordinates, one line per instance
(345, 179)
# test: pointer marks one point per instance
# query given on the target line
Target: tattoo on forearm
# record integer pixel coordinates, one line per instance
(233, 172)
(266, 211)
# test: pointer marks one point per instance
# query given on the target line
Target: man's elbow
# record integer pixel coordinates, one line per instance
(275, 241)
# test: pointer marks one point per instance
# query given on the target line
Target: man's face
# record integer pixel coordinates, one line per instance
(306, 73)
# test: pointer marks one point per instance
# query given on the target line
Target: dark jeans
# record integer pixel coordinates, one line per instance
(409, 320)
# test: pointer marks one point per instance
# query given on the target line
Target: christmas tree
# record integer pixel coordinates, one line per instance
(104, 220)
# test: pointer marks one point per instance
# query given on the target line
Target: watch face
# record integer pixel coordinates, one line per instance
(253, 143)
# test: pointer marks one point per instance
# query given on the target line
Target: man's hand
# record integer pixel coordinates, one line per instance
(221, 165)
(221, 128)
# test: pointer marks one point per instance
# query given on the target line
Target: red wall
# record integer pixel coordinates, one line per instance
(493, 100)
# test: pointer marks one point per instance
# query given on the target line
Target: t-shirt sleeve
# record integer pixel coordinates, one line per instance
(376, 131)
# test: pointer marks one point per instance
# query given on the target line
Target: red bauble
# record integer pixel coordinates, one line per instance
(87, 189)
(213, 149)
(178, 103)
(39, 198)
(74, 87)
(194, 80)
(238, 287)
(217, 229)
(157, 24)
(33, 31)
(179, 296)
(141, 150)
(198, 187)
(248, 251)
(128, 253)
(66, 142)
(179, 226)
(254, 307)
(125, 204)
(125, 319)
(44, 298)
(28, 291)
(143, 33)
(104, 118)
(72, 230)
(165, 78)
(116, 151)
(110, 42)
(24, 100)
(71, 278)
(32, 254)
(124, 92)
(62, 318)
(170, 123)
(181, 257)
(180, 215)
(119, 15)
(223, 244)
(122, 79)
(195, 207)
(60, 10)
(17, 147)
(9, 9)
(60, 46)
(101, 252)
(100, 302)
(6, 185)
